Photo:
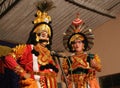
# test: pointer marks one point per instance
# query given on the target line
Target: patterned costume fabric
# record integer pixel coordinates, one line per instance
(79, 72)
(47, 68)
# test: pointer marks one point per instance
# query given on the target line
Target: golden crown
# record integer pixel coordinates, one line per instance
(42, 15)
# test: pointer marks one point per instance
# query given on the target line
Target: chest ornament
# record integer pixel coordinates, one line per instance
(79, 61)
(44, 56)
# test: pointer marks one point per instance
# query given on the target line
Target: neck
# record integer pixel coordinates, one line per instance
(80, 52)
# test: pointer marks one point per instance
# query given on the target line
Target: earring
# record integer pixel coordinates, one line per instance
(83, 48)
(37, 38)
(73, 49)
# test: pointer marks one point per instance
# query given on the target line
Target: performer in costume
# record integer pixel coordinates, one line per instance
(80, 68)
(33, 61)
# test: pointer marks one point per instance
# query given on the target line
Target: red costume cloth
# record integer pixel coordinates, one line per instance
(23, 60)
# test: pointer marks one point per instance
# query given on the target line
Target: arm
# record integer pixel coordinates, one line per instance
(12, 58)
(96, 63)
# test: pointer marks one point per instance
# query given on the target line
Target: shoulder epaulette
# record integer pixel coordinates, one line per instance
(18, 51)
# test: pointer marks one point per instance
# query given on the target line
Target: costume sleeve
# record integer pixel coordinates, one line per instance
(97, 63)
(12, 58)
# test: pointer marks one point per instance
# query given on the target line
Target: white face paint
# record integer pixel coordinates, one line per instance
(44, 35)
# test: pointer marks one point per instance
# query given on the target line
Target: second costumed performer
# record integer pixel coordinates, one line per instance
(80, 68)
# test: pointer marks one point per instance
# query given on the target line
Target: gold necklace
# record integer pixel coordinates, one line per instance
(44, 55)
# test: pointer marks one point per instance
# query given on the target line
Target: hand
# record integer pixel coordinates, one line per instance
(28, 83)
(93, 63)
(27, 75)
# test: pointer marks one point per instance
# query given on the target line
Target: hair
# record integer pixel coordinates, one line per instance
(85, 41)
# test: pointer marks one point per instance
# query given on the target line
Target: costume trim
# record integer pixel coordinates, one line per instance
(49, 66)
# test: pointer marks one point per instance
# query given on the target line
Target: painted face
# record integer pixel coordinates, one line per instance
(44, 36)
(78, 45)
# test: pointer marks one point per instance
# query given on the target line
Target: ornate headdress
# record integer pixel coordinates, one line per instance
(78, 30)
(42, 30)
